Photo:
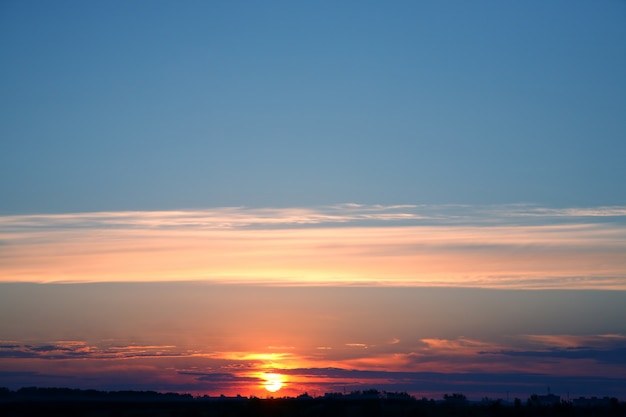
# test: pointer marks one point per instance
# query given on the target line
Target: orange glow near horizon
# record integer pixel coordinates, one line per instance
(495, 256)
(285, 302)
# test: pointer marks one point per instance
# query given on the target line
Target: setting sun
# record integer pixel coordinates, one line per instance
(273, 382)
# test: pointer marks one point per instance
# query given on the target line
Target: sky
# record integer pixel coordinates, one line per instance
(271, 198)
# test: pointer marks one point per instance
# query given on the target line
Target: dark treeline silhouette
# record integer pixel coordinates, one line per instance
(62, 394)
(33, 401)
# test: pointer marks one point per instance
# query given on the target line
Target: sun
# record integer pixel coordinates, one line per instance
(273, 382)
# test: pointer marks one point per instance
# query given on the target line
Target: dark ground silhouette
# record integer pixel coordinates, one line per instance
(27, 402)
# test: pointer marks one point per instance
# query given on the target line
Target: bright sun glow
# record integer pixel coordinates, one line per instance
(273, 382)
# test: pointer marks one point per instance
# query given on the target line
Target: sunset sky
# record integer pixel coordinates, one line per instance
(279, 197)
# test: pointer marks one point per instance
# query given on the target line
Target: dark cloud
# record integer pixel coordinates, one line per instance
(477, 383)
(220, 377)
(613, 356)
(217, 382)
(42, 352)
(49, 348)
(16, 353)
(19, 374)
(18, 379)
(80, 350)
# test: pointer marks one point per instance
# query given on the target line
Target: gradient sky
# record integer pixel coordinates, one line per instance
(129, 106)
(418, 196)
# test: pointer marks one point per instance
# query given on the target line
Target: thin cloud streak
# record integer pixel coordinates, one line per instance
(459, 353)
(218, 218)
(242, 217)
(347, 244)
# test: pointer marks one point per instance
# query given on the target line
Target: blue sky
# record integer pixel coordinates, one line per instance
(129, 105)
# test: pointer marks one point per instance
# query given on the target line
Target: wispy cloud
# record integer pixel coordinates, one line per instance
(218, 218)
(423, 354)
(566, 341)
(242, 217)
(428, 366)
